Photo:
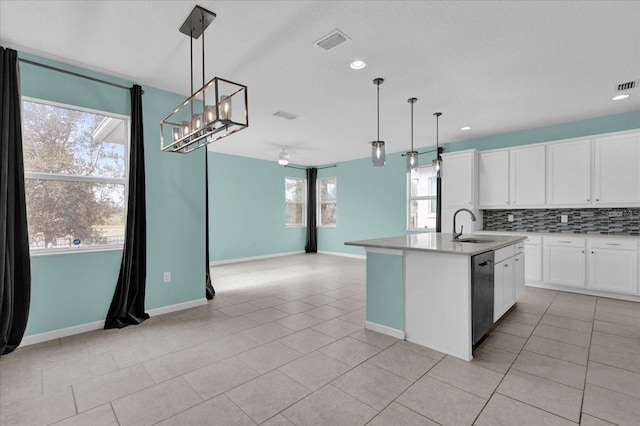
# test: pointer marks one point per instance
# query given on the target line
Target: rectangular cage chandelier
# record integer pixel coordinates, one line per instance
(216, 110)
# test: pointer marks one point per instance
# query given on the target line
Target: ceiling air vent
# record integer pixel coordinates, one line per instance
(285, 115)
(627, 86)
(333, 39)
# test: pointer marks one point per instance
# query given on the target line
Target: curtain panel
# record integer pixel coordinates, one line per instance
(127, 305)
(15, 264)
(312, 229)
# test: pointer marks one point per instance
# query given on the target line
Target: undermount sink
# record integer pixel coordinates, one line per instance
(472, 240)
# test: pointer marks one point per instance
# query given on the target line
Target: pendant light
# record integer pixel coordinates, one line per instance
(412, 156)
(377, 146)
(438, 161)
(212, 112)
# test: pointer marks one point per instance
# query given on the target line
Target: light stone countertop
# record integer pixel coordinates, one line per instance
(440, 242)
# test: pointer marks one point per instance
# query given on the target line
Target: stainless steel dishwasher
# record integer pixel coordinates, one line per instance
(481, 295)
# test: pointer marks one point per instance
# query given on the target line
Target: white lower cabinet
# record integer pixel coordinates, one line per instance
(613, 266)
(508, 278)
(564, 261)
(533, 265)
(518, 275)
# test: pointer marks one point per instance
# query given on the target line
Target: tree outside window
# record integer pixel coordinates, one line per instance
(295, 204)
(75, 176)
(327, 201)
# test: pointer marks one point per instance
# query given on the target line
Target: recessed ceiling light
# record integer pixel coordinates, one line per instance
(465, 128)
(620, 97)
(358, 64)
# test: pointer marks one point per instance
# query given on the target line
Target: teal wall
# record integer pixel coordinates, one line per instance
(372, 201)
(385, 297)
(76, 288)
(246, 208)
(246, 205)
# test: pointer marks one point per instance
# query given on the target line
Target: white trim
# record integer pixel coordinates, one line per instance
(393, 332)
(337, 253)
(246, 259)
(177, 307)
(583, 290)
(61, 332)
(98, 325)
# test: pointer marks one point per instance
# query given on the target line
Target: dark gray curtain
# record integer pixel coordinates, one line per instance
(312, 230)
(15, 266)
(210, 292)
(127, 305)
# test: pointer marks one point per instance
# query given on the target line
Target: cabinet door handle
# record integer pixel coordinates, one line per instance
(593, 252)
(597, 199)
(582, 252)
(517, 260)
(506, 265)
(588, 199)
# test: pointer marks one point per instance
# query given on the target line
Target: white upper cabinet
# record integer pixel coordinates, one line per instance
(569, 173)
(527, 179)
(458, 179)
(617, 169)
(494, 179)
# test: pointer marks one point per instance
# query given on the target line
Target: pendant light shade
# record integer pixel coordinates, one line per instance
(377, 146)
(438, 161)
(412, 156)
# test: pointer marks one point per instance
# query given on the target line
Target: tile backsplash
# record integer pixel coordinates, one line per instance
(621, 221)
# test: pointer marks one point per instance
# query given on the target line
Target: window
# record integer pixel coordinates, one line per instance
(75, 176)
(422, 198)
(295, 204)
(327, 190)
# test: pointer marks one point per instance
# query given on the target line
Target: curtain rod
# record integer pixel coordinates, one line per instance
(75, 74)
(307, 168)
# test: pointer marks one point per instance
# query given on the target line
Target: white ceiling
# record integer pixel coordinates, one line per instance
(497, 66)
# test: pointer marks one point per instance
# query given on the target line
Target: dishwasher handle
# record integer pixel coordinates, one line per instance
(488, 262)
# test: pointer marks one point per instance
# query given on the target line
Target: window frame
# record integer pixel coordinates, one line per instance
(78, 178)
(304, 202)
(319, 202)
(411, 198)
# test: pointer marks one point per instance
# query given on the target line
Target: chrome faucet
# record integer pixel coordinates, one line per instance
(456, 235)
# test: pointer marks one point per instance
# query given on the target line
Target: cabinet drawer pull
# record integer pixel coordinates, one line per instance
(564, 241)
(613, 244)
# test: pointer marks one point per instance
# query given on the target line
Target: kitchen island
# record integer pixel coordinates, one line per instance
(420, 287)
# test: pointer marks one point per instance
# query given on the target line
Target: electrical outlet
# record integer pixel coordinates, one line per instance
(510, 218)
(167, 277)
(564, 218)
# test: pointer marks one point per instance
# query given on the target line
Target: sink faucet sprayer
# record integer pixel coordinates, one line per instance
(456, 235)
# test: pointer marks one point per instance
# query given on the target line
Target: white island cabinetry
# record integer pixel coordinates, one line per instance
(440, 285)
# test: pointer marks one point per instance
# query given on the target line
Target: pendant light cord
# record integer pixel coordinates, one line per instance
(378, 84)
(411, 126)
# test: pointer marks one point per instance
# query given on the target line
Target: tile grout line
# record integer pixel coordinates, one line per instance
(511, 366)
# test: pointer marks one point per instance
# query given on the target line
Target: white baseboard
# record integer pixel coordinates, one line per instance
(337, 253)
(61, 332)
(98, 325)
(398, 334)
(177, 307)
(246, 259)
(582, 290)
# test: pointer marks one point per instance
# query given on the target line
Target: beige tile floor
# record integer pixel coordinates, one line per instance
(283, 343)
